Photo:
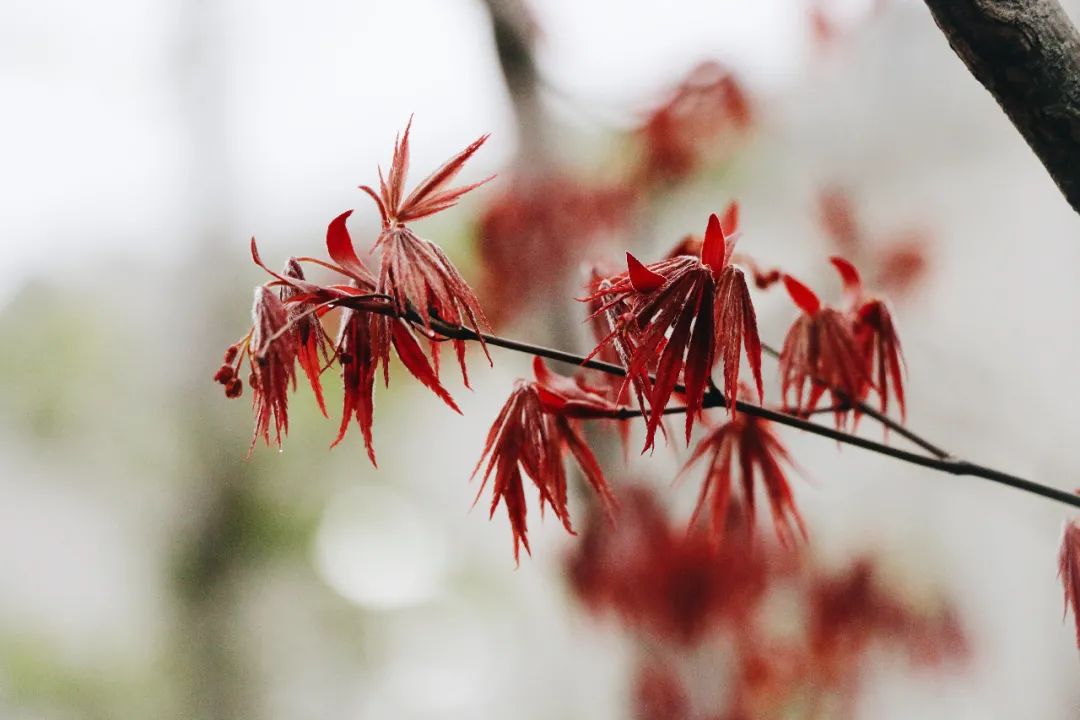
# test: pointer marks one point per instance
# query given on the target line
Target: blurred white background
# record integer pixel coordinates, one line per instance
(146, 570)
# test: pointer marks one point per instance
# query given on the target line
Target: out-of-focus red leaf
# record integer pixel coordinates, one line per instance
(1069, 571)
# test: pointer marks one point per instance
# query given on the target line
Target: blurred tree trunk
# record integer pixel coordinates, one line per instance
(1027, 54)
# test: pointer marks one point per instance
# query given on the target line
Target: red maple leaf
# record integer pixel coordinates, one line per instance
(531, 434)
(1069, 571)
(746, 445)
(359, 365)
(273, 368)
(313, 346)
(710, 105)
(301, 334)
(899, 260)
(820, 354)
(415, 273)
(656, 576)
(852, 611)
(875, 334)
(686, 313)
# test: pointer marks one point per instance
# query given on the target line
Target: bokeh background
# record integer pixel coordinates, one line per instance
(148, 570)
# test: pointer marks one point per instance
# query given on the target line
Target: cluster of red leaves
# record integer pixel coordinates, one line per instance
(661, 579)
(684, 314)
(531, 434)
(545, 224)
(273, 367)
(847, 353)
(851, 616)
(683, 596)
(819, 355)
(709, 106)
(415, 273)
(416, 281)
(747, 445)
(900, 260)
(875, 334)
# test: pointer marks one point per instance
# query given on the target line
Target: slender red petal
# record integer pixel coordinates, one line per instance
(429, 192)
(358, 369)
(1069, 571)
(399, 169)
(700, 358)
(803, 296)
(714, 247)
(414, 360)
(849, 275)
(340, 248)
(736, 328)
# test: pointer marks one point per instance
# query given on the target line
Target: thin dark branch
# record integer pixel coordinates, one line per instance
(1026, 53)
(714, 399)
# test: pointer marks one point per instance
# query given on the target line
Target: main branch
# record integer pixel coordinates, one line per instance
(1027, 54)
(714, 399)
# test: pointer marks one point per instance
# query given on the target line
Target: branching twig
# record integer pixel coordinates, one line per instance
(714, 399)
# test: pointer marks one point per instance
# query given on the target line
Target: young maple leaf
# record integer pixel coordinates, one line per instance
(1069, 571)
(820, 354)
(751, 443)
(415, 273)
(875, 334)
(531, 434)
(707, 107)
(359, 366)
(313, 347)
(363, 312)
(360, 363)
(358, 369)
(272, 366)
(852, 612)
(686, 313)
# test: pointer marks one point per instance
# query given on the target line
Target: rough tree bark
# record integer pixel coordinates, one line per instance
(1027, 54)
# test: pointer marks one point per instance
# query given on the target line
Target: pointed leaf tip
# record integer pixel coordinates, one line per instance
(803, 296)
(848, 274)
(641, 277)
(340, 248)
(713, 248)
